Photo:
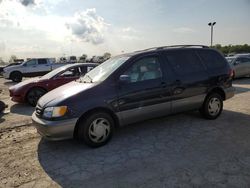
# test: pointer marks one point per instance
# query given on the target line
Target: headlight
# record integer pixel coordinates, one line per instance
(51, 112)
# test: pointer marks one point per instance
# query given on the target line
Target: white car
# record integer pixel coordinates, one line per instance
(240, 64)
(30, 68)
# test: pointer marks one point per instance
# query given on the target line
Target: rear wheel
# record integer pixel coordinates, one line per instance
(212, 106)
(34, 95)
(16, 76)
(96, 130)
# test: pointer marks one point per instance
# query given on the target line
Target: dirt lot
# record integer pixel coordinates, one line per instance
(183, 150)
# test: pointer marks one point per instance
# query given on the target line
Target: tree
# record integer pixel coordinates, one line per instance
(1, 61)
(233, 49)
(12, 58)
(107, 56)
(83, 58)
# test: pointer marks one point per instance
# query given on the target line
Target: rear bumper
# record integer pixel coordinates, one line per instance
(54, 130)
(229, 92)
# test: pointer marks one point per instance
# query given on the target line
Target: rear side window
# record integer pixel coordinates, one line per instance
(212, 59)
(184, 62)
(42, 61)
(243, 60)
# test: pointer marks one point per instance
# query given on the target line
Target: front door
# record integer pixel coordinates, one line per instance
(64, 77)
(144, 95)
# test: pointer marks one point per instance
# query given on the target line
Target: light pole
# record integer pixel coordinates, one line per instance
(211, 24)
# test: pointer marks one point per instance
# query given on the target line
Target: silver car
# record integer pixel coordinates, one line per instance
(240, 65)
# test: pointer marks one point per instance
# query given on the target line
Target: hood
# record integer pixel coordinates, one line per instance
(66, 91)
(24, 83)
(12, 67)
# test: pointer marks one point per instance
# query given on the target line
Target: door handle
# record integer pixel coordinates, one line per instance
(163, 84)
(177, 82)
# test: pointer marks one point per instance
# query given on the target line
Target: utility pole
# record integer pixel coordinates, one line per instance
(211, 24)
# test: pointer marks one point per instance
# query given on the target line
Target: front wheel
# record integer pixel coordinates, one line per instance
(34, 95)
(16, 76)
(96, 129)
(212, 106)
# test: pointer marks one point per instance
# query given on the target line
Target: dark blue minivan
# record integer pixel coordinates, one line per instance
(134, 87)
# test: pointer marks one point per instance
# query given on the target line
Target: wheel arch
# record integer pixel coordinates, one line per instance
(218, 90)
(34, 87)
(15, 71)
(94, 110)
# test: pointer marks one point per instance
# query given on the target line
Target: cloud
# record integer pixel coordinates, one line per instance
(129, 30)
(88, 26)
(27, 2)
(184, 30)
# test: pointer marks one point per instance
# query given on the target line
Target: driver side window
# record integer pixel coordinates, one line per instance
(32, 62)
(147, 68)
(73, 72)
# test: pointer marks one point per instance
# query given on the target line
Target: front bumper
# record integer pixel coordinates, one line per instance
(5, 75)
(54, 130)
(229, 92)
(16, 97)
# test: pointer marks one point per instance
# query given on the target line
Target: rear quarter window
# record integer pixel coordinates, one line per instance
(212, 59)
(184, 62)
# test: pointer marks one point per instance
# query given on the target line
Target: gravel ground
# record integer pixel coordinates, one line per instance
(182, 150)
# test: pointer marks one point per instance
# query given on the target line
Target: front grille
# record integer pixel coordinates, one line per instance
(39, 111)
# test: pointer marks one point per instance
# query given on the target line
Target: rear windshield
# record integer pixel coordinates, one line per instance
(212, 59)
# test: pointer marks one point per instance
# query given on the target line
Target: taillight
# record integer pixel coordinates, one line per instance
(231, 73)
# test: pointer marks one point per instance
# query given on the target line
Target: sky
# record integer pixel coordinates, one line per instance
(55, 28)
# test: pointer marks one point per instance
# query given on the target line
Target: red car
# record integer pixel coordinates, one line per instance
(31, 90)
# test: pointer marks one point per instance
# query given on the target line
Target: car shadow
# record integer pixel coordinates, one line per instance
(22, 109)
(150, 151)
(240, 90)
(1, 118)
(9, 83)
(241, 81)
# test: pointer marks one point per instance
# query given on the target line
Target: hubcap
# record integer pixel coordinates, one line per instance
(99, 130)
(214, 106)
(34, 96)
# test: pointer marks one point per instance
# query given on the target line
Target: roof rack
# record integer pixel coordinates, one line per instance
(174, 46)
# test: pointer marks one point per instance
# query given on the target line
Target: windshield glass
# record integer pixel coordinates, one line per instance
(53, 73)
(101, 72)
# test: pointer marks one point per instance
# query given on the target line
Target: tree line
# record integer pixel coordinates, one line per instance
(233, 49)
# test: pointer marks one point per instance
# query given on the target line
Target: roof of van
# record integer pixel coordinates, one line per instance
(165, 48)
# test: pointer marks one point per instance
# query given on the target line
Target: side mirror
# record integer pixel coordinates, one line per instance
(124, 79)
(25, 65)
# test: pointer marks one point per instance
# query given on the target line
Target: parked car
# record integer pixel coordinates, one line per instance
(31, 68)
(72, 59)
(31, 90)
(240, 65)
(134, 87)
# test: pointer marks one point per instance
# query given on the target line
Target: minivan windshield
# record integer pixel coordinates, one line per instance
(101, 72)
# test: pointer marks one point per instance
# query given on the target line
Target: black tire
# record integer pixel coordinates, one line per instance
(16, 76)
(209, 110)
(34, 95)
(86, 129)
